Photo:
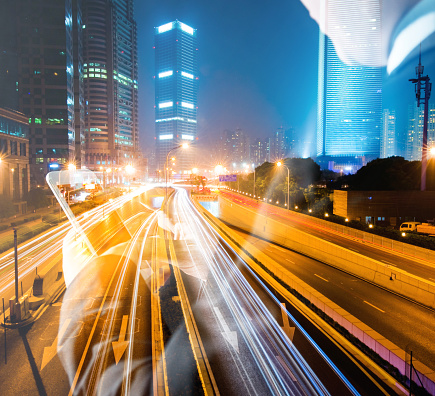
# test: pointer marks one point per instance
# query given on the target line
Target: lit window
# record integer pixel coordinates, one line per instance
(165, 105)
(166, 74)
(188, 105)
(188, 75)
(186, 28)
(166, 137)
(165, 27)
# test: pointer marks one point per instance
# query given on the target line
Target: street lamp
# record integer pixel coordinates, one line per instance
(184, 146)
(279, 164)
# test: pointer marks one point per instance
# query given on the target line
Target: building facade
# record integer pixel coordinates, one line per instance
(176, 87)
(388, 137)
(42, 70)
(110, 83)
(414, 136)
(349, 94)
(14, 156)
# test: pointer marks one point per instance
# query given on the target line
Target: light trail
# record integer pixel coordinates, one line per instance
(261, 332)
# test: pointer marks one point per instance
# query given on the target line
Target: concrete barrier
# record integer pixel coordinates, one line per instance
(375, 341)
(391, 278)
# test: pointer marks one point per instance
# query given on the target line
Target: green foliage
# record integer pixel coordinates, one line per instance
(3, 227)
(36, 198)
(6, 208)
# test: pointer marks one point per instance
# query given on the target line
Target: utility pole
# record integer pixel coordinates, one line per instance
(422, 83)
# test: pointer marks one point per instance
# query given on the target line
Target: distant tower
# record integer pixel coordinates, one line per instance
(176, 87)
(349, 94)
(388, 136)
(422, 83)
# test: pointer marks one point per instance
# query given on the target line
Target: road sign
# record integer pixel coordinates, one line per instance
(227, 178)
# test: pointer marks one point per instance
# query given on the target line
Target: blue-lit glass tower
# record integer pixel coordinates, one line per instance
(349, 94)
(176, 87)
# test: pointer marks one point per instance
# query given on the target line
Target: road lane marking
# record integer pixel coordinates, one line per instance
(355, 250)
(51, 351)
(387, 262)
(120, 346)
(289, 261)
(288, 330)
(326, 280)
(374, 306)
(279, 248)
(230, 336)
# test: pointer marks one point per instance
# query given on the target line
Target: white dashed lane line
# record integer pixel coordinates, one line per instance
(375, 307)
(326, 280)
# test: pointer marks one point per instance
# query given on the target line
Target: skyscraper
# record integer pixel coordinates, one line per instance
(176, 87)
(41, 68)
(414, 137)
(388, 136)
(349, 94)
(110, 82)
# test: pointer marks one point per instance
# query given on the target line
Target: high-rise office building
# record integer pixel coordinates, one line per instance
(42, 70)
(176, 87)
(110, 83)
(349, 94)
(414, 137)
(388, 136)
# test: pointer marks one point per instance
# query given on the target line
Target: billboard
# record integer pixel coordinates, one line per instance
(227, 178)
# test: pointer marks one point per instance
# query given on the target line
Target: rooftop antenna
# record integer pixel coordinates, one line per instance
(422, 83)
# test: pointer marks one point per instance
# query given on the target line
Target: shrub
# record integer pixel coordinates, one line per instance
(17, 222)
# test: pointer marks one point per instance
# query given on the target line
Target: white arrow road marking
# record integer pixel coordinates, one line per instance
(230, 336)
(51, 351)
(290, 331)
(120, 346)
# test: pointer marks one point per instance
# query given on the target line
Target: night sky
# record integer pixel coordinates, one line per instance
(257, 65)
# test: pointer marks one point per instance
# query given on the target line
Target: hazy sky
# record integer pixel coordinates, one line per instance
(257, 64)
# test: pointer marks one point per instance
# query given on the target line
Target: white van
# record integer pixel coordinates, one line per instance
(409, 226)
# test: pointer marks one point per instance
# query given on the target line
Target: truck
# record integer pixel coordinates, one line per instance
(419, 228)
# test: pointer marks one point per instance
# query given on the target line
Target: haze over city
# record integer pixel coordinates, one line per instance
(217, 198)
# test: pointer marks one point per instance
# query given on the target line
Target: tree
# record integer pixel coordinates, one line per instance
(37, 198)
(7, 208)
(387, 174)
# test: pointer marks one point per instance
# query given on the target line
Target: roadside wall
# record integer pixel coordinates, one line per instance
(392, 278)
(375, 341)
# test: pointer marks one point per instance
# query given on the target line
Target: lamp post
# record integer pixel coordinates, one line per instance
(184, 145)
(278, 164)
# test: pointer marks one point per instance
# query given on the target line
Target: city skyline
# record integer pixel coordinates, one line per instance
(276, 81)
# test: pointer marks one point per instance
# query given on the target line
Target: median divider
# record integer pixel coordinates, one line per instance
(290, 286)
(46, 284)
(379, 273)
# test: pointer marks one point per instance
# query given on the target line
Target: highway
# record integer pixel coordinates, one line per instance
(385, 312)
(388, 257)
(221, 328)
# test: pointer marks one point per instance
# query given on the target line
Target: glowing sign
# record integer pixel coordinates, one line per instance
(188, 105)
(165, 105)
(186, 28)
(165, 27)
(166, 137)
(166, 74)
(188, 75)
(186, 137)
(227, 178)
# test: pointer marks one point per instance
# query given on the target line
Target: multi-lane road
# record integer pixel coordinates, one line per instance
(222, 331)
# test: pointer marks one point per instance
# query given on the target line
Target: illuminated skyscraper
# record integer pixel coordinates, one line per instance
(349, 94)
(176, 84)
(388, 136)
(110, 80)
(41, 46)
(414, 136)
